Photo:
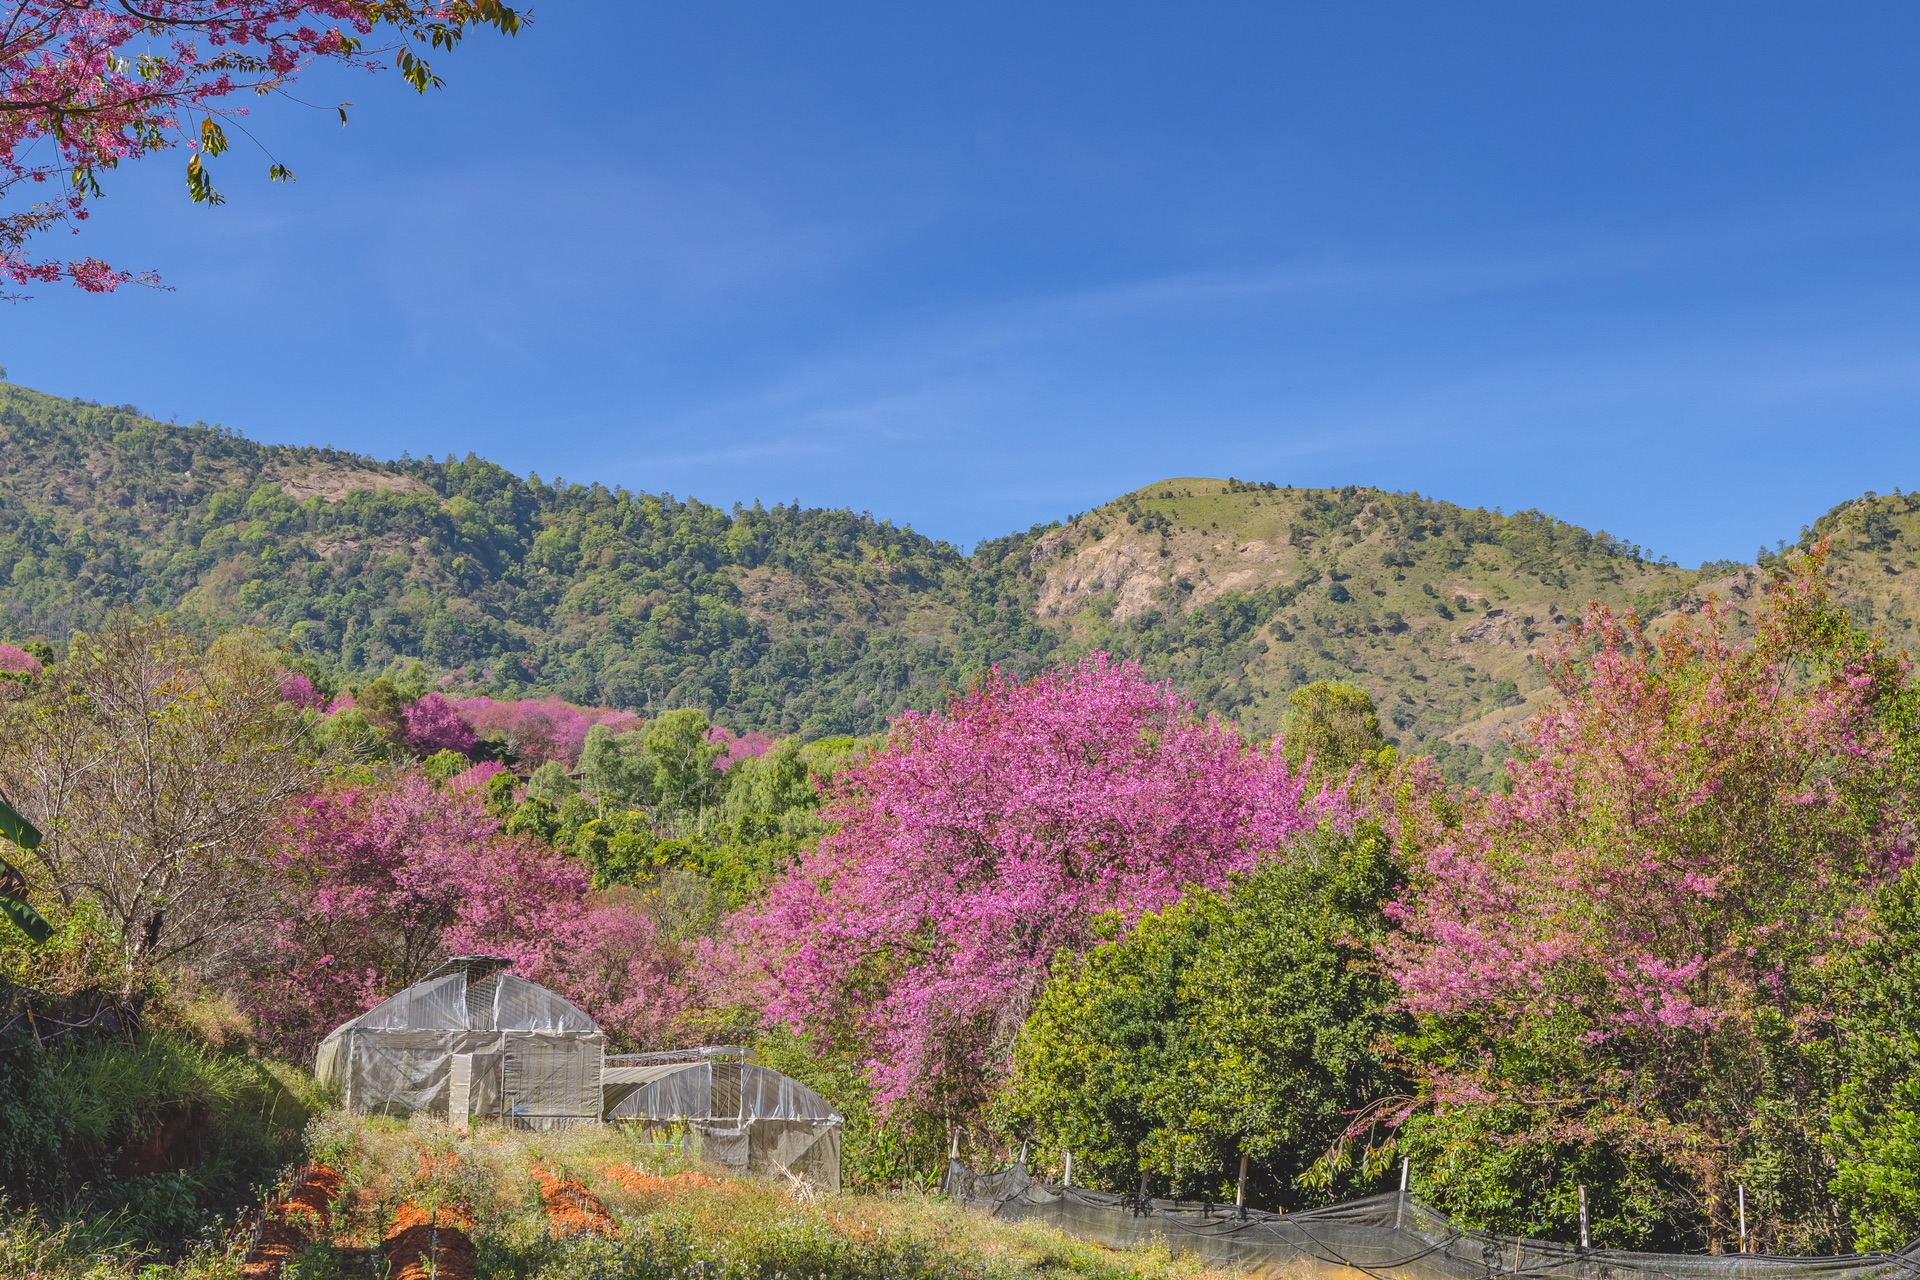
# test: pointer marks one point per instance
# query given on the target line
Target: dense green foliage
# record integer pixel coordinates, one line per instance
(1331, 728)
(1876, 1122)
(1243, 1022)
(650, 810)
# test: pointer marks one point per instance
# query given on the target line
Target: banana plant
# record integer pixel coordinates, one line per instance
(13, 885)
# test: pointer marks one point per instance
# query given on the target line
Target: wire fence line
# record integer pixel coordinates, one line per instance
(1387, 1237)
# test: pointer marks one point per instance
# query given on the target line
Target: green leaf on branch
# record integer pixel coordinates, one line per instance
(199, 185)
(18, 829)
(26, 919)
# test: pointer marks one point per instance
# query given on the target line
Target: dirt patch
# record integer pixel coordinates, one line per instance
(304, 1215)
(173, 1143)
(1498, 626)
(1134, 570)
(436, 1246)
(652, 1187)
(331, 484)
(572, 1210)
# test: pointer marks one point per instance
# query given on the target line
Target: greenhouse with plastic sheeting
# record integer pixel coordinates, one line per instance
(469, 1041)
(743, 1117)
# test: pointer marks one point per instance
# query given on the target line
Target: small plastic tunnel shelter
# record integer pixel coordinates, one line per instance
(745, 1117)
(469, 1041)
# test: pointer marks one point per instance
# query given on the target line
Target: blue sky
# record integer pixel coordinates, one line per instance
(1652, 268)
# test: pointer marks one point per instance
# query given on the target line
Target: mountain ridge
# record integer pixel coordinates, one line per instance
(815, 621)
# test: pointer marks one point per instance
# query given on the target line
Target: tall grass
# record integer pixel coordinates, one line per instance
(707, 1228)
(70, 1115)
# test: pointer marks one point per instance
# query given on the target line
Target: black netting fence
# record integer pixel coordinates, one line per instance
(1388, 1237)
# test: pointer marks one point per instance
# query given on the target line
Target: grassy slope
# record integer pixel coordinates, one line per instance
(1236, 591)
(1245, 594)
(682, 1227)
(692, 1226)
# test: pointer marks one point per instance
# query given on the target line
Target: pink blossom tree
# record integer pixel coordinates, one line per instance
(366, 896)
(746, 746)
(981, 842)
(298, 690)
(433, 725)
(86, 85)
(383, 881)
(1623, 951)
(540, 730)
(15, 661)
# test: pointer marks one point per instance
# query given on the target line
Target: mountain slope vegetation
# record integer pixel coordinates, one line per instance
(783, 618)
(821, 622)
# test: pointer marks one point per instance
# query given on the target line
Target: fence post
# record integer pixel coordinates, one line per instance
(1240, 1196)
(1743, 1217)
(1067, 1181)
(1400, 1205)
(1586, 1240)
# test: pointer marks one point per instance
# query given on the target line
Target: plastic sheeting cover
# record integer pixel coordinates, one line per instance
(541, 1077)
(1392, 1237)
(519, 1005)
(397, 1057)
(710, 1091)
(440, 1003)
(746, 1116)
(808, 1149)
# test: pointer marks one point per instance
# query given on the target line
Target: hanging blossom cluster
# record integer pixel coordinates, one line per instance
(86, 85)
(979, 843)
(1689, 825)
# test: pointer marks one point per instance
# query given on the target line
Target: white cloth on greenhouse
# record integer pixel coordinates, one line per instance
(744, 1116)
(470, 1041)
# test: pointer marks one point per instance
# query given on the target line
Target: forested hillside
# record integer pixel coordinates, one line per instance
(812, 621)
(778, 618)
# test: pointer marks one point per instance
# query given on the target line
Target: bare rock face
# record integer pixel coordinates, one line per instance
(334, 483)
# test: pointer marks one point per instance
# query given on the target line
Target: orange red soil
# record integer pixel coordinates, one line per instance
(572, 1210)
(436, 1247)
(653, 1187)
(291, 1222)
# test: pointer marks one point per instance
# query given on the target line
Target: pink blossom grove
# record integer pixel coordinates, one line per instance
(538, 730)
(383, 879)
(433, 725)
(982, 840)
